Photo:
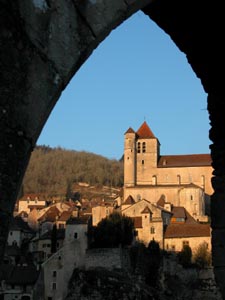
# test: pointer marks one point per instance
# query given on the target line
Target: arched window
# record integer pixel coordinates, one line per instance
(143, 147)
(154, 180)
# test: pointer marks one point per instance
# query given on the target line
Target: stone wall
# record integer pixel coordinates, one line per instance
(109, 258)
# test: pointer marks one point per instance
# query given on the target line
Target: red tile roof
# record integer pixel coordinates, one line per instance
(187, 230)
(190, 160)
(50, 215)
(144, 132)
(65, 216)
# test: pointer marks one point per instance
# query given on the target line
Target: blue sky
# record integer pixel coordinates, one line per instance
(137, 73)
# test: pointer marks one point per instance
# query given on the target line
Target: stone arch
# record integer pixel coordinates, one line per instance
(43, 44)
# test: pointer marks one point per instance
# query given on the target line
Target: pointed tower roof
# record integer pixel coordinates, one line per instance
(145, 132)
(130, 130)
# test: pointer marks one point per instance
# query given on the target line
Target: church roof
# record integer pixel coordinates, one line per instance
(190, 160)
(144, 132)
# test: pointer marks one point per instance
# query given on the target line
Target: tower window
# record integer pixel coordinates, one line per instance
(142, 162)
(143, 147)
(138, 147)
(54, 274)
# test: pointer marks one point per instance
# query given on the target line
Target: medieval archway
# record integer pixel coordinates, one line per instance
(43, 44)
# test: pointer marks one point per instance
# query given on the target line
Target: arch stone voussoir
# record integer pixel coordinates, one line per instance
(44, 43)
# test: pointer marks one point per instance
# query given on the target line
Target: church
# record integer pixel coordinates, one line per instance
(166, 180)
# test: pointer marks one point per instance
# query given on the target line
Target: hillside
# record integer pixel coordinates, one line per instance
(54, 171)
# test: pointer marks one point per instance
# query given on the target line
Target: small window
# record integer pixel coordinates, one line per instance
(143, 147)
(139, 147)
(185, 243)
(152, 230)
(191, 197)
(142, 162)
(54, 285)
(54, 274)
(10, 233)
(173, 248)
(75, 235)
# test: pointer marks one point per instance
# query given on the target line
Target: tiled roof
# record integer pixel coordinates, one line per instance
(181, 212)
(146, 210)
(129, 200)
(187, 230)
(190, 160)
(137, 222)
(130, 130)
(50, 215)
(144, 132)
(65, 216)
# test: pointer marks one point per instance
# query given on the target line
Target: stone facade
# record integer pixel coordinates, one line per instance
(149, 220)
(184, 180)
